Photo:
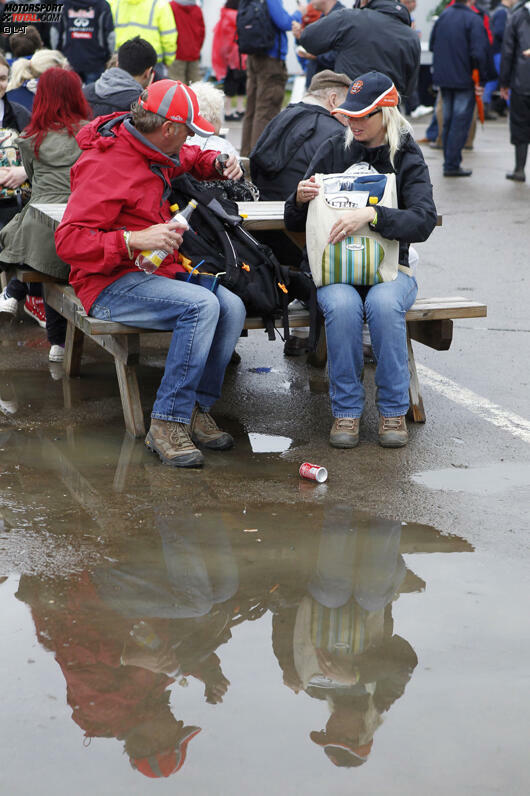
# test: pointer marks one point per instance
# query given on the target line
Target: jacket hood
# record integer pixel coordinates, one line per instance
(391, 8)
(105, 131)
(114, 80)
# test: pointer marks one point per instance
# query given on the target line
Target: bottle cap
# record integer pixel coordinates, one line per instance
(373, 200)
(174, 207)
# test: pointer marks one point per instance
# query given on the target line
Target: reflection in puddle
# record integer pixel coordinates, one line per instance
(269, 443)
(487, 480)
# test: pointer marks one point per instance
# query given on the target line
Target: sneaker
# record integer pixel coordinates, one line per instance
(172, 442)
(344, 432)
(56, 353)
(7, 304)
(34, 306)
(206, 432)
(393, 431)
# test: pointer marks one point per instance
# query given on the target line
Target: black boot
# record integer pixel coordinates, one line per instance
(521, 152)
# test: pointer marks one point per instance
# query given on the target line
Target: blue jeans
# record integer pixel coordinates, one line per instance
(205, 327)
(385, 307)
(458, 107)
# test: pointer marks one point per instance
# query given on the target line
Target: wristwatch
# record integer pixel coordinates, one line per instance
(373, 222)
(127, 239)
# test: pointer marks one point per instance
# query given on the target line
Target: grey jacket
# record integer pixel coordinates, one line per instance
(114, 91)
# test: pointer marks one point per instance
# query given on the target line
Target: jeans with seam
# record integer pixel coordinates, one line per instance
(206, 327)
(458, 107)
(385, 307)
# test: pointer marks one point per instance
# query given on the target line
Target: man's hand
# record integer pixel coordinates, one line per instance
(232, 169)
(479, 90)
(12, 176)
(304, 54)
(296, 28)
(526, 53)
(504, 91)
(159, 236)
(350, 222)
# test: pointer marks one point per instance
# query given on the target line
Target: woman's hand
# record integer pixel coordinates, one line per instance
(12, 176)
(307, 190)
(159, 236)
(350, 222)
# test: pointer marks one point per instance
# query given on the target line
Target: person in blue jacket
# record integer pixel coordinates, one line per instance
(459, 44)
(266, 79)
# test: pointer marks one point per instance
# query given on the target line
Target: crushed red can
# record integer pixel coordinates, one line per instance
(315, 472)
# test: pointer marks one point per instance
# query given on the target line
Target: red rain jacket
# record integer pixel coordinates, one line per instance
(190, 31)
(114, 188)
(225, 52)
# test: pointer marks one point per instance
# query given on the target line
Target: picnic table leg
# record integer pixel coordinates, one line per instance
(73, 350)
(319, 356)
(416, 411)
(130, 398)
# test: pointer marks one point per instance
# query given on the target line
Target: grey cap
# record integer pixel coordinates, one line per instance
(329, 79)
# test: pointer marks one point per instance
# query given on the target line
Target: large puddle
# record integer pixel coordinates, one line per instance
(152, 633)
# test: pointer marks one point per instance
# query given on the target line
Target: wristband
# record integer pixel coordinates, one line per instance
(373, 222)
(126, 238)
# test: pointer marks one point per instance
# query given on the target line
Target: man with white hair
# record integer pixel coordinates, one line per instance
(286, 147)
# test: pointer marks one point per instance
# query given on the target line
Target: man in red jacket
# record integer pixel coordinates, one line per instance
(119, 207)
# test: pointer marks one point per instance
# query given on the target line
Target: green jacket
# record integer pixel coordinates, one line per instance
(26, 239)
(153, 20)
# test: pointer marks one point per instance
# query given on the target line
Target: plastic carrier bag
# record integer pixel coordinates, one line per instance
(365, 258)
(10, 156)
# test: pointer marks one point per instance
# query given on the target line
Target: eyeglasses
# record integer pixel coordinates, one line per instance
(374, 113)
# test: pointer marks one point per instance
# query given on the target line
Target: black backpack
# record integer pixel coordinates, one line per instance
(256, 31)
(217, 240)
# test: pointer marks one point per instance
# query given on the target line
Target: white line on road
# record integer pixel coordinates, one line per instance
(514, 424)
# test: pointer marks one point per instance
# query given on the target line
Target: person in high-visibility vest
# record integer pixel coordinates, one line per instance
(153, 20)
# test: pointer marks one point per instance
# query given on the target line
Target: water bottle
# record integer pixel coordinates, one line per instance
(149, 261)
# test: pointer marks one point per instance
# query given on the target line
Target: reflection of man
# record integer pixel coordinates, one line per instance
(337, 643)
(376, 37)
(118, 208)
(121, 635)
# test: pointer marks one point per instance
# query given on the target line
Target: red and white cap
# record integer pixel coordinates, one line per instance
(178, 103)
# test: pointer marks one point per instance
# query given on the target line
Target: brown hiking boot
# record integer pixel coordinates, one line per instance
(344, 432)
(393, 432)
(206, 432)
(173, 444)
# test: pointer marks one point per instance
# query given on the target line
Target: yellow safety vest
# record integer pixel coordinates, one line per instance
(152, 20)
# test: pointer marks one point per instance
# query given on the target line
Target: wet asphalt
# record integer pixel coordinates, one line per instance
(408, 568)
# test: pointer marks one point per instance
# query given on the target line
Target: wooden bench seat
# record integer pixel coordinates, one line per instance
(429, 321)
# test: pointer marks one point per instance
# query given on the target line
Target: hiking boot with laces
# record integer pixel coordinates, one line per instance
(172, 442)
(393, 432)
(344, 432)
(206, 432)
(7, 304)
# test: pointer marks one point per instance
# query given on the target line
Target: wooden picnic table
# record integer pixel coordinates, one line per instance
(429, 321)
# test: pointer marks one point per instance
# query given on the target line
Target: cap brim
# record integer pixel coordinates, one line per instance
(388, 99)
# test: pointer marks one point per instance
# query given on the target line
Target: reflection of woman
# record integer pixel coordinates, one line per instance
(377, 134)
(49, 149)
(337, 643)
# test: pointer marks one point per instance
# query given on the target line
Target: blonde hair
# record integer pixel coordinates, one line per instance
(396, 130)
(25, 69)
(211, 103)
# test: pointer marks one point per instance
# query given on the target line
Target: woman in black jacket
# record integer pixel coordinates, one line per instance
(378, 135)
(13, 117)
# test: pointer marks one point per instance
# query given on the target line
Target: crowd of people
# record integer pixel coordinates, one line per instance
(107, 119)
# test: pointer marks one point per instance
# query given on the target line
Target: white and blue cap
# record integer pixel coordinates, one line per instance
(178, 103)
